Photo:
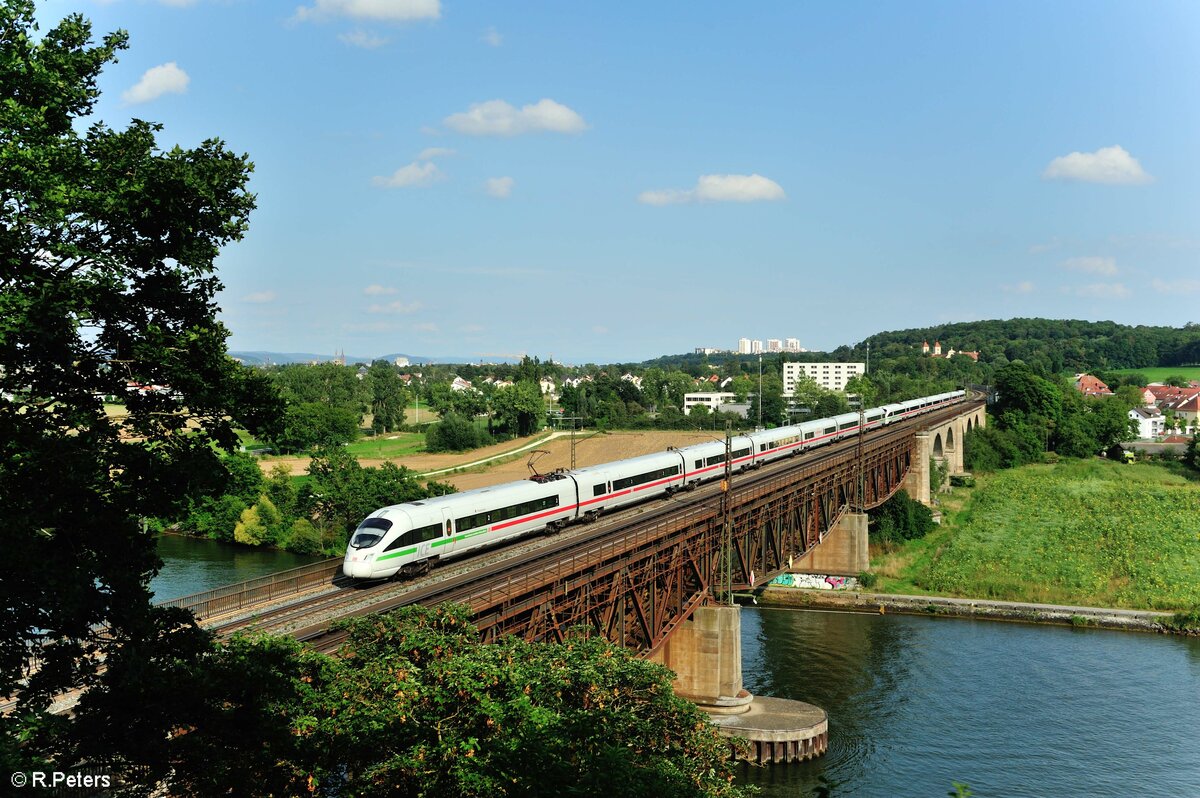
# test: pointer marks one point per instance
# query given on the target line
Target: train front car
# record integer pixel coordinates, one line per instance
(393, 539)
(366, 545)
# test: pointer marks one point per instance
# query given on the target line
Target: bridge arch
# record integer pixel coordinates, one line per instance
(937, 446)
(950, 438)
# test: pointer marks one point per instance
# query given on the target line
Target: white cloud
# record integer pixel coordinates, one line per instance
(492, 37)
(178, 3)
(415, 175)
(1037, 249)
(381, 10)
(499, 187)
(1093, 265)
(498, 118)
(718, 188)
(260, 297)
(363, 39)
(426, 326)
(1103, 291)
(396, 307)
(1106, 165)
(156, 81)
(471, 329)
(434, 152)
(376, 289)
(1023, 287)
(1181, 286)
(599, 330)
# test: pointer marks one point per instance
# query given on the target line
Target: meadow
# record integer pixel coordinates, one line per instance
(1163, 373)
(1089, 532)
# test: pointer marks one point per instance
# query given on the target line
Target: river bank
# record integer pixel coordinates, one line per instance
(1023, 612)
(1089, 533)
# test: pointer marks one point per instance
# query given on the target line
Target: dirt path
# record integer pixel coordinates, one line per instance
(590, 449)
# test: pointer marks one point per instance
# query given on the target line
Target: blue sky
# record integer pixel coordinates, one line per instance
(610, 182)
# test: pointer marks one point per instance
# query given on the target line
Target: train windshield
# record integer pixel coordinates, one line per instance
(370, 532)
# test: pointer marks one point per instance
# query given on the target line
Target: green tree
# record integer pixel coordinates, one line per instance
(303, 538)
(863, 387)
(250, 530)
(107, 245)
(324, 383)
(341, 492)
(388, 397)
(518, 408)
(772, 401)
(312, 424)
(453, 434)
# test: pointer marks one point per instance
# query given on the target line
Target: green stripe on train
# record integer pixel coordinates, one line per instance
(456, 538)
(400, 553)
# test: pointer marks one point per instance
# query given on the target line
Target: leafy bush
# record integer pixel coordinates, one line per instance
(454, 433)
(898, 519)
(304, 538)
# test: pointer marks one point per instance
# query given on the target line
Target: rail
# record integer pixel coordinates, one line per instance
(253, 591)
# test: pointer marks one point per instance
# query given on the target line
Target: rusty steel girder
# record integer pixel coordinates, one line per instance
(637, 586)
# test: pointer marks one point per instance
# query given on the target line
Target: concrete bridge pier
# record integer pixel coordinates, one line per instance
(843, 551)
(916, 481)
(705, 652)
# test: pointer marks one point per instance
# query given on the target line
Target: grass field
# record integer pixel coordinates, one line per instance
(1081, 532)
(388, 445)
(1165, 373)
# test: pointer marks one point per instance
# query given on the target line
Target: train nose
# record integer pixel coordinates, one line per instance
(356, 569)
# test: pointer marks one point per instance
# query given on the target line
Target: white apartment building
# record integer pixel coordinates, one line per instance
(710, 399)
(756, 347)
(832, 376)
(792, 345)
(774, 345)
(743, 346)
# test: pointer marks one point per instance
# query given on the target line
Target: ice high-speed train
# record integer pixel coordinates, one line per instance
(407, 538)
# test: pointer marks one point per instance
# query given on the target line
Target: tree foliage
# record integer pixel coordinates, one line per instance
(107, 244)
(416, 705)
(388, 397)
(898, 519)
(341, 492)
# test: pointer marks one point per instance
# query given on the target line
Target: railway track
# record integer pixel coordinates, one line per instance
(515, 564)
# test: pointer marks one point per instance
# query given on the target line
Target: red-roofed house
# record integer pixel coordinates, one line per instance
(1187, 412)
(1088, 385)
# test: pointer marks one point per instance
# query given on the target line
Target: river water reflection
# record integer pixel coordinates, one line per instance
(191, 565)
(1010, 709)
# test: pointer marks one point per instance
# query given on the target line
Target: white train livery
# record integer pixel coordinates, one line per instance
(406, 539)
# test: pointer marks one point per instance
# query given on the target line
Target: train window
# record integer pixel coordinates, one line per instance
(598, 490)
(829, 430)
(365, 540)
(642, 479)
(808, 436)
(764, 447)
(741, 452)
(720, 458)
(700, 463)
(382, 524)
(505, 513)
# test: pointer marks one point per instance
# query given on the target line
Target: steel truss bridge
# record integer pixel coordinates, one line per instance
(635, 581)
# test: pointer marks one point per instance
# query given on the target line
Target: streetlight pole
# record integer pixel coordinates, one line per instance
(760, 396)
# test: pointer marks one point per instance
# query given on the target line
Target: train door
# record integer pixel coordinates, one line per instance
(425, 548)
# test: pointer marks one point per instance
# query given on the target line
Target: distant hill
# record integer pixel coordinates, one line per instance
(1057, 345)
(281, 358)
(1054, 345)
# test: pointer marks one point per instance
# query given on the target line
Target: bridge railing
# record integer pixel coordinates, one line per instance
(220, 600)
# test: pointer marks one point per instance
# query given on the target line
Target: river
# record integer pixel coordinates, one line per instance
(917, 703)
(191, 565)
(1010, 709)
